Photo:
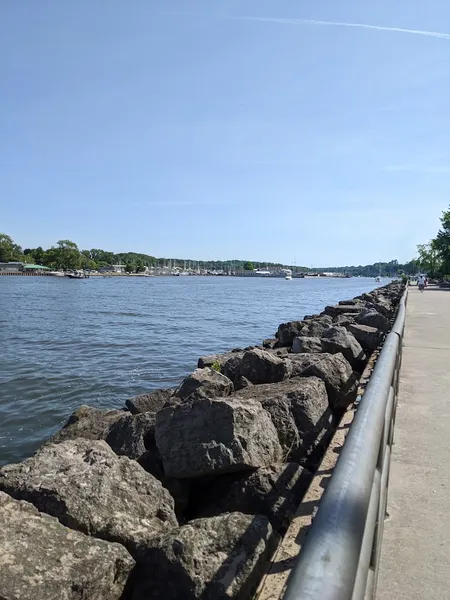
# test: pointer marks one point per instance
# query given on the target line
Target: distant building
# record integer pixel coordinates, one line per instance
(118, 268)
(11, 267)
(34, 268)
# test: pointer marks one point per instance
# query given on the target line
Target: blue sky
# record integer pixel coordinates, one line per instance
(216, 130)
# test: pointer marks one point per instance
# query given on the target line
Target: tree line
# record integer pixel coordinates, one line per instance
(433, 258)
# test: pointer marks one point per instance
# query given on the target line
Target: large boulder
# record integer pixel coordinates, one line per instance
(316, 327)
(150, 402)
(261, 366)
(218, 558)
(334, 370)
(274, 492)
(209, 381)
(213, 436)
(88, 487)
(127, 434)
(217, 360)
(288, 331)
(304, 344)
(339, 309)
(339, 339)
(41, 559)
(369, 337)
(132, 435)
(300, 412)
(87, 422)
(373, 318)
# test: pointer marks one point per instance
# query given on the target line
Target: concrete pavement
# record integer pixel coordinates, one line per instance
(415, 557)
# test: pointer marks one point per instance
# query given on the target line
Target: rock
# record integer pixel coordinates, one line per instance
(373, 318)
(334, 311)
(306, 344)
(316, 328)
(288, 331)
(210, 382)
(241, 383)
(43, 560)
(334, 370)
(220, 558)
(215, 436)
(300, 412)
(261, 366)
(88, 487)
(352, 302)
(270, 343)
(369, 337)
(218, 359)
(132, 434)
(339, 339)
(127, 434)
(274, 492)
(280, 351)
(151, 402)
(344, 320)
(87, 422)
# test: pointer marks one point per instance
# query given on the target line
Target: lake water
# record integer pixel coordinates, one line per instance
(100, 341)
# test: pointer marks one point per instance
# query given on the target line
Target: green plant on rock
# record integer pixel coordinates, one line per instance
(216, 366)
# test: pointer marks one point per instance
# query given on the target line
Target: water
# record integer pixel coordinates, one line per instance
(100, 341)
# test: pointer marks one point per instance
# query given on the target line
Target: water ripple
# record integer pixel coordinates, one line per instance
(99, 342)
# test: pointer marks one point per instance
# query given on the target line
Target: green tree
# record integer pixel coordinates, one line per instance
(9, 250)
(130, 268)
(248, 266)
(69, 256)
(140, 267)
(429, 260)
(442, 243)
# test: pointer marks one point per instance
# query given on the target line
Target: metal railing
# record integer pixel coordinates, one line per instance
(341, 555)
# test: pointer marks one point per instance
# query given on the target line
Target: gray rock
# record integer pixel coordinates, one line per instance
(218, 359)
(344, 320)
(241, 383)
(215, 436)
(316, 328)
(261, 366)
(334, 370)
(219, 558)
(151, 402)
(339, 339)
(43, 560)
(270, 343)
(306, 344)
(87, 422)
(208, 381)
(274, 492)
(339, 309)
(288, 331)
(127, 434)
(369, 337)
(88, 487)
(373, 318)
(300, 412)
(132, 434)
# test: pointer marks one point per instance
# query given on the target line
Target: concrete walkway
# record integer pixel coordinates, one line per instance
(415, 560)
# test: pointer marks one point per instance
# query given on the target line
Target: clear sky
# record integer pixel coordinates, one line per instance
(226, 129)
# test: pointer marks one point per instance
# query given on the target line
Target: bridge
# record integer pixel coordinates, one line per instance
(381, 528)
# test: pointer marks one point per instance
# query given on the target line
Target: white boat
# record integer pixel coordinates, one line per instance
(77, 275)
(56, 273)
(288, 273)
(378, 279)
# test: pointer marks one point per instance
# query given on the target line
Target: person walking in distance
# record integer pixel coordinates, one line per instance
(421, 283)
